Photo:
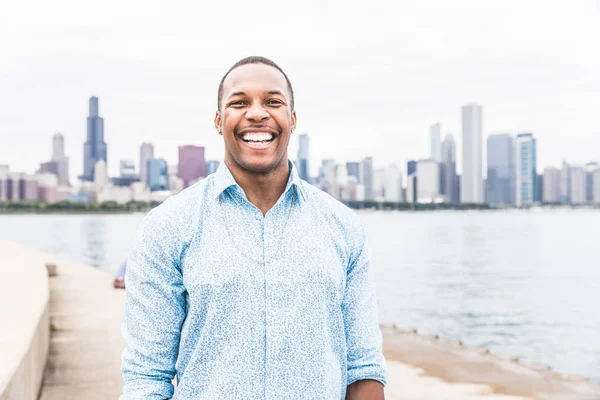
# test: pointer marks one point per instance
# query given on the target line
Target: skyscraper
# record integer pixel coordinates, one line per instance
(157, 174)
(428, 178)
(500, 184)
(353, 169)
(303, 151)
(191, 165)
(94, 148)
(392, 185)
(366, 176)
(411, 167)
(58, 146)
(596, 183)
(551, 190)
(578, 185)
(526, 166)
(435, 142)
(590, 168)
(471, 190)
(565, 183)
(448, 179)
(62, 161)
(146, 154)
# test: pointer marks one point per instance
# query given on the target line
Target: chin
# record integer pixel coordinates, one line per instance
(259, 166)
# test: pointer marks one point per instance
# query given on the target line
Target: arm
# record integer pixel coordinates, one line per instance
(365, 390)
(366, 365)
(154, 312)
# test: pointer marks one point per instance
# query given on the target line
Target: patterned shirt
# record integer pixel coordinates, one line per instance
(201, 304)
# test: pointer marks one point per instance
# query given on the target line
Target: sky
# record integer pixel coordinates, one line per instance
(369, 77)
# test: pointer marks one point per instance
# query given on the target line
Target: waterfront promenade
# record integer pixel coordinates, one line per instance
(85, 348)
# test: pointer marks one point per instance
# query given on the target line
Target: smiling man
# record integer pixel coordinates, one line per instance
(252, 284)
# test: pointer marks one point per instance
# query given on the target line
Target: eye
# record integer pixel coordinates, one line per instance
(237, 103)
(275, 102)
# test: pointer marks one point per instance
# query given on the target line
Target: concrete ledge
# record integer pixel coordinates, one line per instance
(25, 331)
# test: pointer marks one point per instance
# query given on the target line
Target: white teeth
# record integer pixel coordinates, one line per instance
(257, 137)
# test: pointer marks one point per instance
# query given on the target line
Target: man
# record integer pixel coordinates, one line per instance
(252, 284)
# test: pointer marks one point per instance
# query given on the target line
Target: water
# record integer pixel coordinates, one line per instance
(520, 283)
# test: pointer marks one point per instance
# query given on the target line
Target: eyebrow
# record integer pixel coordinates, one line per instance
(244, 94)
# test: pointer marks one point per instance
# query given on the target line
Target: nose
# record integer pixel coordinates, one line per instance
(257, 112)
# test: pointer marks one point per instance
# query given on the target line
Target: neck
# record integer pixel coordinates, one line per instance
(261, 189)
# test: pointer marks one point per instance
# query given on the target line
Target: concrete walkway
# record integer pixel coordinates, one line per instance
(86, 347)
(86, 343)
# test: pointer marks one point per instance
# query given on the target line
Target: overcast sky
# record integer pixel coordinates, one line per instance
(370, 77)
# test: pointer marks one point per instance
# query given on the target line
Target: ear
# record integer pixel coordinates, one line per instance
(293, 126)
(218, 123)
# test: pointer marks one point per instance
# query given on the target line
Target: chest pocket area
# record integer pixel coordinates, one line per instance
(318, 265)
(212, 269)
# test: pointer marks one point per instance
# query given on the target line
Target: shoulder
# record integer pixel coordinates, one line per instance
(178, 217)
(337, 215)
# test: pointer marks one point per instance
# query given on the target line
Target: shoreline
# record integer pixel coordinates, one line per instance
(453, 362)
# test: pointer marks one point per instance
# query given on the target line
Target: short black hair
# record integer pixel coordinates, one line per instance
(255, 60)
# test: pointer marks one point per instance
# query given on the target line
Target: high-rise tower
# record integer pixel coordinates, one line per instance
(94, 148)
(471, 183)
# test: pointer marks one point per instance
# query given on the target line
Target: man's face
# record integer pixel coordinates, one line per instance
(255, 117)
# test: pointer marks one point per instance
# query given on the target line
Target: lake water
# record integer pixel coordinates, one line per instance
(523, 283)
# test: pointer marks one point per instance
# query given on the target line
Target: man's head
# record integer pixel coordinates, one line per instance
(255, 114)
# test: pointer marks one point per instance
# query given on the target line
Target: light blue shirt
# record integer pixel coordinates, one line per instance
(200, 305)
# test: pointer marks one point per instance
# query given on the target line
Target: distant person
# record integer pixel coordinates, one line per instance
(252, 284)
(119, 282)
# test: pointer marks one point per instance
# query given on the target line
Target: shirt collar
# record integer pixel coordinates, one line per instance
(224, 179)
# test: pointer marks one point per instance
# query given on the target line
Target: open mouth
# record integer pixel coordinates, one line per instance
(258, 139)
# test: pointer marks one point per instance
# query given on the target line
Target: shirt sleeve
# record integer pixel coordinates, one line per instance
(359, 307)
(154, 312)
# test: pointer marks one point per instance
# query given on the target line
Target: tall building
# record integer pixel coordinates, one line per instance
(95, 147)
(392, 186)
(157, 174)
(146, 154)
(303, 152)
(448, 178)
(428, 178)
(596, 183)
(500, 183)
(578, 185)
(411, 188)
(526, 157)
(551, 185)
(4, 173)
(212, 166)
(62, 161)
(192, 166)
(58, 146)
(565, 183)
(327, 177)
(411, 167)
(435, 142)
(353, 169)
(366, 176)
(471, 189)
(590, 168)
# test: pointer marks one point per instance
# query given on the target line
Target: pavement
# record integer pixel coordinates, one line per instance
(86, 347)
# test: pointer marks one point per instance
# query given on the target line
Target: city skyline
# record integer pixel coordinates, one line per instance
(380, 87)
